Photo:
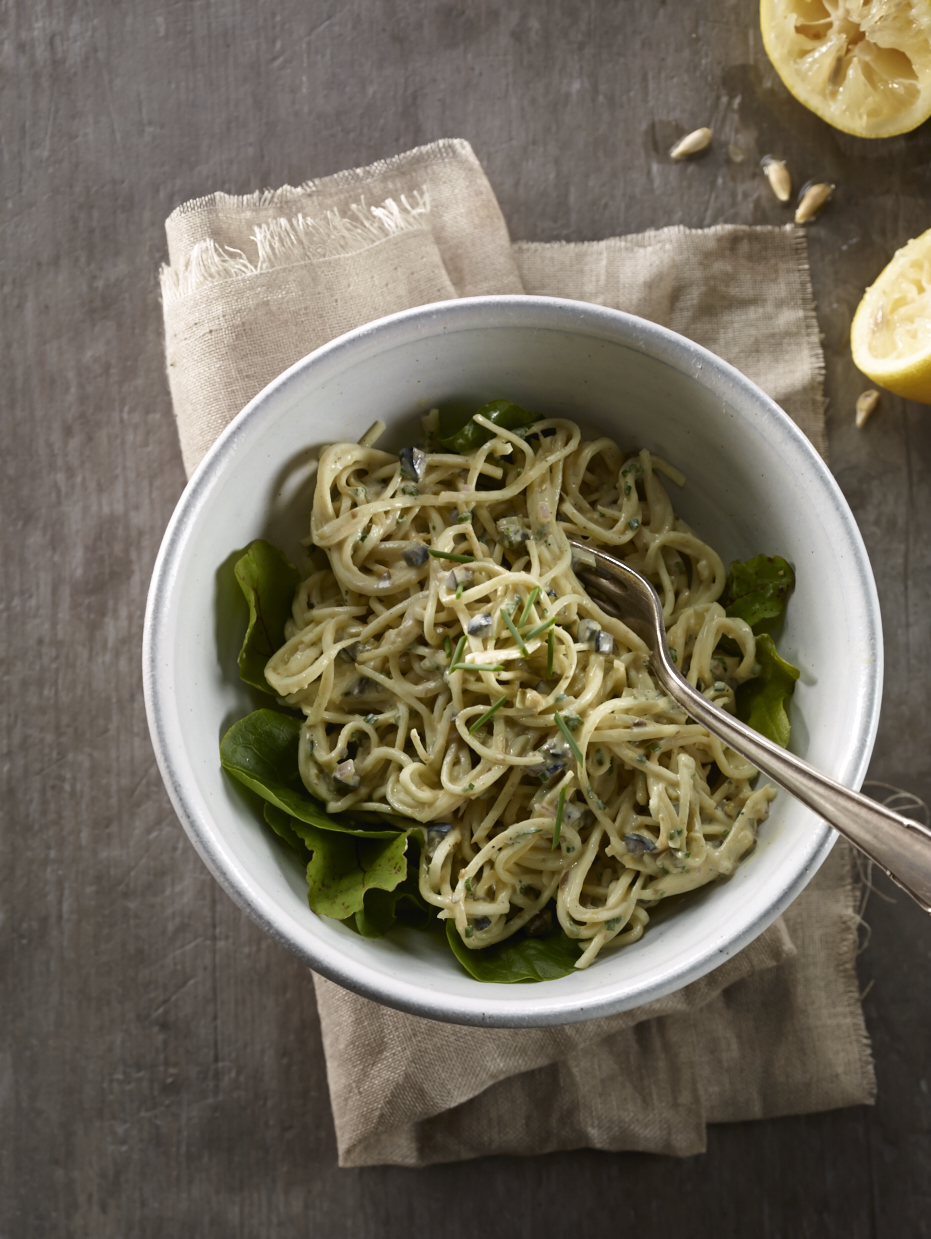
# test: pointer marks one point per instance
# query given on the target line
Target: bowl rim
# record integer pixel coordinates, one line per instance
(549, 313)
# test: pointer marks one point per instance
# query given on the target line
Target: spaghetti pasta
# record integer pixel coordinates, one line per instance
(452, 669)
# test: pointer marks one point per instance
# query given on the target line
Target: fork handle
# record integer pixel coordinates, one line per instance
(901, 847)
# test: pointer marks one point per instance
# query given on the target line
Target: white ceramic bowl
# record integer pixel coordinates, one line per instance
(754, 484)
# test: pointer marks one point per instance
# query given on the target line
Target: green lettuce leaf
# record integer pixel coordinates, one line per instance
(261, 751)
(467, 437)
(518, 958)
(370, 882)
(761, 702)
(268, 581)
(758, 589)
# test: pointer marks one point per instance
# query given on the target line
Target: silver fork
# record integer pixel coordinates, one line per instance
(901, 847)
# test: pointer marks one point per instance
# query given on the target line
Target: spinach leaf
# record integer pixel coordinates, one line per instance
(372, 883)
(758, 589)
(466, 438)
(283, 824)
(268, 581)
(261, 751)
(761, 702)
(344, 867)
(518, 958)
(402, 906)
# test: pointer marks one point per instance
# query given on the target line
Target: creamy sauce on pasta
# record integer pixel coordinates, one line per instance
(452, 669)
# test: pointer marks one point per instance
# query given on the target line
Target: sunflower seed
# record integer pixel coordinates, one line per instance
(866, 403)
(777, 174)
(811, 200)
(691, 144)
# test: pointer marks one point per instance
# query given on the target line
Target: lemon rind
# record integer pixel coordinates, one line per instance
(902, 123)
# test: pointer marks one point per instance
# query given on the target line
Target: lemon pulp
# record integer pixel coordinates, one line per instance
(864, 66)
(891, 332)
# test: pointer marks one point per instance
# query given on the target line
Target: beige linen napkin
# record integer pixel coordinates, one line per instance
(255, 283)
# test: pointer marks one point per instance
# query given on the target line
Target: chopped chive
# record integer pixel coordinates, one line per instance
(534, 595)
(487, 715)
(514, 633)
(448, 648)
(570, 740)
(457, 559)
(476, 667)
(561, 804)
(459, 589)
(550, 651)
(540, 628)
(458, 654)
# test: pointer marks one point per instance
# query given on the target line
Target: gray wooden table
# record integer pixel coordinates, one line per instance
(160, 1058)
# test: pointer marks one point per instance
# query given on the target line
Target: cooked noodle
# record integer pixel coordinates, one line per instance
(462, 694)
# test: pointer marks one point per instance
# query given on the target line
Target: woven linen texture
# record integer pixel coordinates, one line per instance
(254, 284)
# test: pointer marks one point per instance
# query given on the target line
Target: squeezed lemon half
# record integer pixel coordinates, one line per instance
(890, 336)
(864, 66)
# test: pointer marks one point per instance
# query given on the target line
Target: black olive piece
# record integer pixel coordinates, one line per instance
(415, 555)
(413, 462)
(480, 625)
(549, 771)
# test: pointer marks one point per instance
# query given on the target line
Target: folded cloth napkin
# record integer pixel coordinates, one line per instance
(255, 283)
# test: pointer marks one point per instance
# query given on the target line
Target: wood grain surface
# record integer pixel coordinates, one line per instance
(160, 1063)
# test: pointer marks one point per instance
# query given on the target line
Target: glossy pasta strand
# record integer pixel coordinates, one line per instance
(474, 696)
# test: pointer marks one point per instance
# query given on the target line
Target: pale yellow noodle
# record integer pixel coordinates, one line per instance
(393, 724)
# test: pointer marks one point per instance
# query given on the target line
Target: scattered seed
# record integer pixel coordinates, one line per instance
(776, 172)
(691, 144)
(811, 200)
(866, 403)
(735, 153)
